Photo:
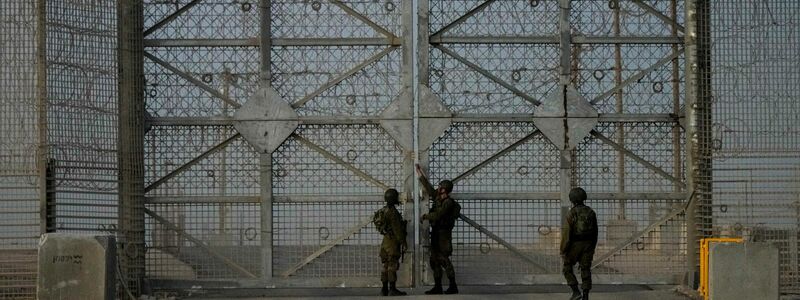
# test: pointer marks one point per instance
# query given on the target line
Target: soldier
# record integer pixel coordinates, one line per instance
(578, 241)
(391, 225)
(442, 217)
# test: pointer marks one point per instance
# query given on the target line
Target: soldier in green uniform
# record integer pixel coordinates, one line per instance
(578, 242)
(442, 217)
(391, 225)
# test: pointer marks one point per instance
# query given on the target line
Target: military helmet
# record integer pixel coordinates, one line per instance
(447, 185)
(391, 196)
(577, 195)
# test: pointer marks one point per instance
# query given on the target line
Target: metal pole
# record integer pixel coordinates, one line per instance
(41, 110)
(131, 143)
(265, 159)
(564, 80)
(421, 71)
(698, 129)
(409, 209)
(223, 176)
(619, 107)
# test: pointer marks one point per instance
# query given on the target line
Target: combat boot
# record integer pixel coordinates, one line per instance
(393, 291)
(576, 293)
(385, 289)
(453, 288)
(437, 288)
(585, 295)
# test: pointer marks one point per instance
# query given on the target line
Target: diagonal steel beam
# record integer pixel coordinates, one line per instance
(637, 158)
(200, 243)
(343, 76)
(637, 76)
(658, 14)
(191, 79)
(501, 241)
(339, 161)
(171, 17)
(392, 38)
(489, 75)
(438, 34)
(192, 162)
(663, 220)
(353, 230)
(496, 156)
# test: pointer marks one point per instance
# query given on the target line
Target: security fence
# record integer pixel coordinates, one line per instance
(247, 143)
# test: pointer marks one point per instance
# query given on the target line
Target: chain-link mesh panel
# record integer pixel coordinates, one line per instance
(301, 229)
(500, 60)
(331, 216)
(530, 68)
(20, 155)
(203, 241)
(233, 71)
(82, 114)
(329, 59)
(753, 99)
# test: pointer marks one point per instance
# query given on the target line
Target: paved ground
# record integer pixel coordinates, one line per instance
(615, 292)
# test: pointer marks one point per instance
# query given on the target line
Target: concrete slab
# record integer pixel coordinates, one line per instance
(548, 292)
(743, 271)
(75, 266)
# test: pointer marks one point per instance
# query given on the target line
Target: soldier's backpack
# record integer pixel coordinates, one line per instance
(584, 226)
(450, 220)
(381, 224)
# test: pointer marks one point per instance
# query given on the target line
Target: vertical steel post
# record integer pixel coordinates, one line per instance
(131, 143)
(408, 83)
(564, 80)
(698, 129)
(619, 107)
(265, 159)
(421, 71)
(41, 110)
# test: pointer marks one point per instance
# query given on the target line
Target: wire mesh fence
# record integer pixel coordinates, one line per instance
(142, 134)
(755, 188)
(20, 152)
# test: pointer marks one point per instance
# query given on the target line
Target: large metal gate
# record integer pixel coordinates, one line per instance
(246, 143)
(273, 127)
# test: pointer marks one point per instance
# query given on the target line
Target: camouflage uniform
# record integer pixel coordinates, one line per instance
(442, 216)
(578, 248)
(393, 245)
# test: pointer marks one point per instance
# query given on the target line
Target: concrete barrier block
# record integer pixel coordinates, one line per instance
(75, 266)
(743, 271)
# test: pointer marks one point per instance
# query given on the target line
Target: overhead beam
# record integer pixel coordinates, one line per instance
(254, 42)
(457, 118)
(227, 261)
(300, 198)
(555, 39)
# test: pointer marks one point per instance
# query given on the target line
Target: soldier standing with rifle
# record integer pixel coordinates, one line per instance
(578, 242)
(391, 225)
(442, 217)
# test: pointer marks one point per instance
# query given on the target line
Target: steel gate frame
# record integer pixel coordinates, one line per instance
(437, 40)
